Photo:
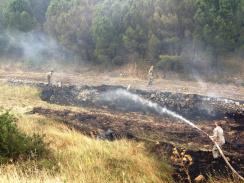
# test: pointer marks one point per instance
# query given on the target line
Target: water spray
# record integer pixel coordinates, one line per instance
(123, 94)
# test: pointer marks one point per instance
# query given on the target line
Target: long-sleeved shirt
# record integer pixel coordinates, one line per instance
(218, 135)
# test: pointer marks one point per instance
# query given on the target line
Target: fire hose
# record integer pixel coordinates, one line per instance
(224, 157)
(164, 110)
(219, 149)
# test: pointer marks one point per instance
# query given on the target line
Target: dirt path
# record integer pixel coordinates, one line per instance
(217, 90)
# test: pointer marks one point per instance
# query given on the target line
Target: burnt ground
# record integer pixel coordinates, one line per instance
(160, 135)
(121, 118)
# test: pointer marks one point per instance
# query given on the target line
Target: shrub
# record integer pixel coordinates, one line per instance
(15, 144)
(118, 60)
(241, 51)
(168, 62)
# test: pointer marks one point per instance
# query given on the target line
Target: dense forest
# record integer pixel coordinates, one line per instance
(171, 34)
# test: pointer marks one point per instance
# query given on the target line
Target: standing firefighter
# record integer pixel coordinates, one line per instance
(150, 76)
(218, 137)
(50, 77)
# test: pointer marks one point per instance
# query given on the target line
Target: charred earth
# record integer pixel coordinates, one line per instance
(112, 116)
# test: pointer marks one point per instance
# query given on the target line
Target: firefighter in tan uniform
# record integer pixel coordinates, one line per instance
(218, 137)
(50, 78)
(150, 76)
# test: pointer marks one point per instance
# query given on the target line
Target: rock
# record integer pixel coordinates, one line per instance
(110, 135)
(199, 178)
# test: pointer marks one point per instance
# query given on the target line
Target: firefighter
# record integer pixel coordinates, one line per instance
(150, 76)
(50, 77)
(218, 137)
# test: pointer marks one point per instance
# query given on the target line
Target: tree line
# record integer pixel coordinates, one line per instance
(166, 33)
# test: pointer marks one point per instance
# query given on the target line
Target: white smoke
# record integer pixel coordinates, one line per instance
(35, 45)
(121, 94)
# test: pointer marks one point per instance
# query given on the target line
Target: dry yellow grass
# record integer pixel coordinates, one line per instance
(224, 180)
(77, 158)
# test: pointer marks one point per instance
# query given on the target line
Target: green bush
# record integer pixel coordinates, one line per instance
(168, 62)
(118, 60)
(16, 145)
(241, 51)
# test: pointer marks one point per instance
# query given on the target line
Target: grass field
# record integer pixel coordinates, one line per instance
(74, 157)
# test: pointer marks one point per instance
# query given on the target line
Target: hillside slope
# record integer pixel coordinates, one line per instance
(75, 157)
